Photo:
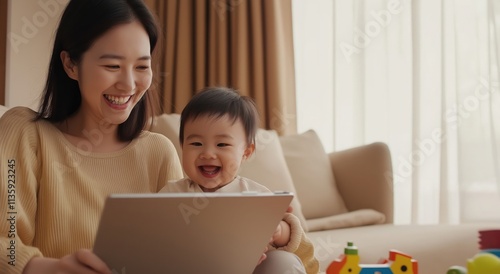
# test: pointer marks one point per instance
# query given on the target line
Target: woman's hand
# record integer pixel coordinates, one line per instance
(83, 261)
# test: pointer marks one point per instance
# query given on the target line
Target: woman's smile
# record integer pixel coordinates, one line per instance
(118, 102)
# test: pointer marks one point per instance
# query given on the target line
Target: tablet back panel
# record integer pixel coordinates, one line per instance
(187, 232)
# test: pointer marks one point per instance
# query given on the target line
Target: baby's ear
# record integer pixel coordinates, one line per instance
(249, 151)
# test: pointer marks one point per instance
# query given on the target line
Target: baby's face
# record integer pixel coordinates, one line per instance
(213, 150)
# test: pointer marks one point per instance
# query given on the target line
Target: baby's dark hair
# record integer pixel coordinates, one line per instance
(219, 101)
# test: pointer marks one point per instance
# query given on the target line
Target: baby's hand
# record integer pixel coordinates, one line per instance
(281, 235)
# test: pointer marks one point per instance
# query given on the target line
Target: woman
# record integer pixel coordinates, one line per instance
(86, 141)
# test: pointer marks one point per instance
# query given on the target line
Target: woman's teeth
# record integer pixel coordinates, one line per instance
(117, 100)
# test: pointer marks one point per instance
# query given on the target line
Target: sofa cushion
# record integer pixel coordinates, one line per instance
(355, 218)
(168, 125)
(267, 166)
(312, 175)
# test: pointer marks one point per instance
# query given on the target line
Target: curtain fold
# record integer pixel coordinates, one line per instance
(243, 44)
(3, 49)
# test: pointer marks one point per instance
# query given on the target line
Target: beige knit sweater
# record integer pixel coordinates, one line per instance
(52, 192)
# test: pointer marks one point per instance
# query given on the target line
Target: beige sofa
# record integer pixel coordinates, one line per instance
(346, 196)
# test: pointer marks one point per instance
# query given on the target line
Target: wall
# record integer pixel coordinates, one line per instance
(31, 30)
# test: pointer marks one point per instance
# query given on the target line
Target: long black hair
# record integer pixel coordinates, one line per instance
(83, 22)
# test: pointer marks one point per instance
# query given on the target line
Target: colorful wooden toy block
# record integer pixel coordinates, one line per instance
(481, 263)
(485, 262)
(348, 263)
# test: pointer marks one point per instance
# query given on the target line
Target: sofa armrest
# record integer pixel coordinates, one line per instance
(364, 178)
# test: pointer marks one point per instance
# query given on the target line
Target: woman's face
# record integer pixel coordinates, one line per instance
(114, 73)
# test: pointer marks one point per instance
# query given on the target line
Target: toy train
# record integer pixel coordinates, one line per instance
(485, 262)
(348, 263)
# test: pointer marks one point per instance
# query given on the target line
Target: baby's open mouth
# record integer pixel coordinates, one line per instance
(209, 170)
(117, 100)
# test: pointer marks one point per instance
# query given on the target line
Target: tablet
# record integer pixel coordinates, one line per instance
(188, 232)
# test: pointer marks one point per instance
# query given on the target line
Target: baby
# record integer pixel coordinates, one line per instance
(217, 133)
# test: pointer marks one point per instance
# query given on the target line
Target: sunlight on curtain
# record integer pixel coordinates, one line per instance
(420, 76)
(314, 63)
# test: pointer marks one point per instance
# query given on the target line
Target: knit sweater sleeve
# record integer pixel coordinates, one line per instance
(300, 245)
(18, 183)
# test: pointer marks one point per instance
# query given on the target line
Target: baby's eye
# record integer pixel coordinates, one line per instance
(222, 145)
(112, 66)
(196, 144)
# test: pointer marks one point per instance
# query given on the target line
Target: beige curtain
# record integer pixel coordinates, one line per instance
(421, 76)
(3, 48)
(244, 44)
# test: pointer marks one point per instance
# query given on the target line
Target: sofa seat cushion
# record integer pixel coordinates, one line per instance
(312, 175)
(355, 218)
(435, 247)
